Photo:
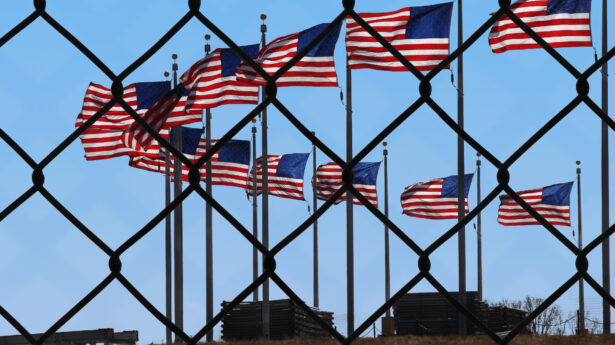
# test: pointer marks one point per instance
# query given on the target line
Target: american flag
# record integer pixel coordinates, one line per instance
(561, 23)
(229, 166)
(135, 136)
(285, 175)
(105, 138)
(435, 199)
(552, 202)
(211, 81)
(420, 33)
(329, 181)
(315, 69)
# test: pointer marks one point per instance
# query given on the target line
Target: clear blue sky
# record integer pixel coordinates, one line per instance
(47, 265)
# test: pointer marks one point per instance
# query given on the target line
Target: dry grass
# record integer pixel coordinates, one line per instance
(444, 340)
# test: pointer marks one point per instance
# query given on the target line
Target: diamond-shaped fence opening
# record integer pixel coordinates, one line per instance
(422, 101)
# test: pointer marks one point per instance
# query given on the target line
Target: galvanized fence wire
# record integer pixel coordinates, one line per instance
(269, 262)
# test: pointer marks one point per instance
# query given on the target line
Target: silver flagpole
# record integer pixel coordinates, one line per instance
(479, 234)
(315, 200)
(265, 184)
(177, 218)
(460, 178)
(581, 301)
(167, 242)
(209, 268)
(606, 267)
(254, 212)
(388, 324)
(387, 271)
(349, 210)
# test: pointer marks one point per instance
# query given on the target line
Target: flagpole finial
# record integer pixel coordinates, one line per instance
(478, 154)
(578, 162)
(385, 144)
(263, 26)
(174, 57)
(313, 132)
(253, 120)
(207, 46)
(166, 74)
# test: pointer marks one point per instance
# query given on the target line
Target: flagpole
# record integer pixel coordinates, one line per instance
(315, 200)
(479, 233)
(265, 185)
(387, 269)
(581, 301)
(460, 177)
(606, 274)
(254, 212)
(167, 242)
(209, 268)
(177, 218)
(349, 210)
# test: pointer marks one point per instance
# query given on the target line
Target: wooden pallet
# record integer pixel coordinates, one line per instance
(287, 320)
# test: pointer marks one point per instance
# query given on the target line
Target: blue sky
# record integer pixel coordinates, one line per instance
(50, 265)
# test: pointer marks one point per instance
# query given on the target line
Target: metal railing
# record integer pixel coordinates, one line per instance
(425, 100)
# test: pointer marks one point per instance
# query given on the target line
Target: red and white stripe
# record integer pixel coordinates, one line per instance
(284, 187)
(329, 180)
(208, 89)
(559, 30)
(105, 138)
(222, 173)
(365, 52)
(309, 71)
(156, 117)
(511, 213)
(97, 96)
(108, 143)
(424, 200)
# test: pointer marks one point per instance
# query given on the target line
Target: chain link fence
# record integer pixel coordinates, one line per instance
(194, 11)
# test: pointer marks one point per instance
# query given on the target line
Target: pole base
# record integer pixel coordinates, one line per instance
(388, 326)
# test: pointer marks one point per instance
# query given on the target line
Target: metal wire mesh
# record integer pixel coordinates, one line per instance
(194, 11)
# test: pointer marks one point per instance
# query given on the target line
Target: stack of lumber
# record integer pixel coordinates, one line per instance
(287, 320)
(105, 336)
(431, 313)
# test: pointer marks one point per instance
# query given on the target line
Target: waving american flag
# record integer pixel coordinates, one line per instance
(420, 33)
(315, 69)
(561, 23)
(552, 202)
(211, 81)
(435, 199)
(285, 176)
(229, 165)
(105, 138)
(329, 181)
